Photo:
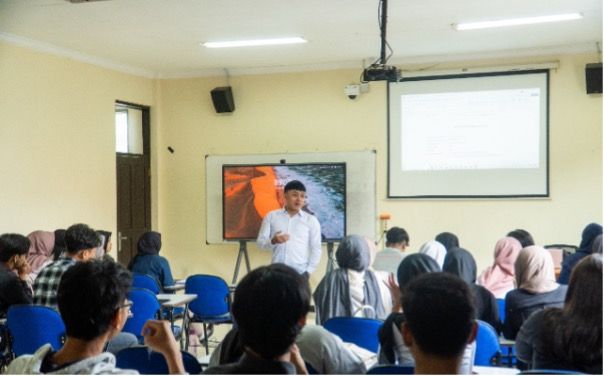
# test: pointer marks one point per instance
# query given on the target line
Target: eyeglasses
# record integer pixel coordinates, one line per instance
(127, 304)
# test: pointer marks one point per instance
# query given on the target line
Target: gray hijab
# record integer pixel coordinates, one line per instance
(353, 253)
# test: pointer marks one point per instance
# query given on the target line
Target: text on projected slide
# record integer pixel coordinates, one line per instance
(496, 129)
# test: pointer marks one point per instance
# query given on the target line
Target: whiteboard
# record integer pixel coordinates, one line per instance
(361, 209)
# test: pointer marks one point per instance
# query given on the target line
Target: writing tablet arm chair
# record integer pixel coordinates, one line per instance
(212, 305)
(31, 326)
(360, 331)
(148, 362)
(488, 351)
(145, 306)
(145, 281)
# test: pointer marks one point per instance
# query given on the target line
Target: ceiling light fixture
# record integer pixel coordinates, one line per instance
(254, 42)
(517, 21)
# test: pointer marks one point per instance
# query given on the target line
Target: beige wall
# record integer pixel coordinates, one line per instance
(57, 140)
(57, 156)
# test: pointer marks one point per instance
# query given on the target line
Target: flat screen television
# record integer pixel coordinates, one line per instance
(250, 192)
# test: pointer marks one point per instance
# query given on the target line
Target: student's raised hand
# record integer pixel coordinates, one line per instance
(279, 238)
(158, 336)
(395, 293)
(296, 359)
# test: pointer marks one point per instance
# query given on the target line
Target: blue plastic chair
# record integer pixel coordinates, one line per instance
(488, 351)
(501, 306)
(550, 372)
(145, 281)
(212, 305)
(360, 331)
(148, 362)
(31, 326)
(145, 306)
(391, 370)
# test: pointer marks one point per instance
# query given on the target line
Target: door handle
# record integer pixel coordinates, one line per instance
(119, 241)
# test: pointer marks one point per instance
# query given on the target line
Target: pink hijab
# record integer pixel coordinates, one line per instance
(499, 278)
(535, 270)
(40, 250)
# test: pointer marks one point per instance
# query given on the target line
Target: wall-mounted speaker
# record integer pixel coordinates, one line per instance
(593, 78)
(222, 97)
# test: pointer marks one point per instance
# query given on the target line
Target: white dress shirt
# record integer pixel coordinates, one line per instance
(303, 249)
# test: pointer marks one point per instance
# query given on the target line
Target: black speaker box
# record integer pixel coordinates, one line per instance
(593, 78)
(222, 97)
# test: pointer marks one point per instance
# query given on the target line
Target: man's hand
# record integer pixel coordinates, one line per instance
(279, 238)
(296, 359)
(158, 336)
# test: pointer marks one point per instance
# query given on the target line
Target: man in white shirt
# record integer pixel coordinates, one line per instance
(292, 234)
(389, 259)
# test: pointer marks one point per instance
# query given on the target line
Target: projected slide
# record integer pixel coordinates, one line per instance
(250, 192)
(470, 130)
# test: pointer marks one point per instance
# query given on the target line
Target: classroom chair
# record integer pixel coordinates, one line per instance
(362, 332)
(31, 326)
(212, 305)
(550, 372)
(488, 351)
(145, 306)
(391, 370)
(145, 281)
(148, 362)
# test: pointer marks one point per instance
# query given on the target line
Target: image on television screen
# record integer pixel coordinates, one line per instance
(250, 192)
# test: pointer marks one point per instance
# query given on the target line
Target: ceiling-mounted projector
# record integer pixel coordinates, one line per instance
(379, 72)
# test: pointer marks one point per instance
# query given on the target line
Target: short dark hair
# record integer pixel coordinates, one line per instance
(397, 235)
(13, 244)
(295, 185)
(439, 312)
(268, 305)
(523, 236)
(79, 237)
(89, 295)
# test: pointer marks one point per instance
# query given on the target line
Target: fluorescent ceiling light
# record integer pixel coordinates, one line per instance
(517, 21)
(254, 42)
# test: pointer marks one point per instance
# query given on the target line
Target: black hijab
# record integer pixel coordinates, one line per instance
(448, 239)
(148, 244)
(461, 263)
(590, 233)
(60, 245)
(414, 265)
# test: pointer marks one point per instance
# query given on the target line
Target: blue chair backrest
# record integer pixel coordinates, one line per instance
(145, 281)
(360, 331)
(148, 362)
(145, 306)
(212, 295)
(391, 370)
(487, 344)
(550, 372)
(501, 306)
(32, 326)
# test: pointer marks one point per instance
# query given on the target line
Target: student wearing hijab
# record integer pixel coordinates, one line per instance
(148, 261)
(348, 291)
(448, 239)
(499, 277)
(537, 289)
(40, 252)
(60, 245)
(569, 338)
(435, 250)
(597, 247)
(590, 233)
(106, 244)
(461, 263)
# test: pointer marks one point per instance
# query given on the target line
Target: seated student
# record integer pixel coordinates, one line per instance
(448, 239)
(270, 307)
(323, 351)
(597, 247)
(92, 302)
(461, 263)
(537, 289)
(435, 250)
(60, 245)
(523, 236)
(39, 254)
(148, 261)
(390, 257)
(14, 270)
(439, 322)
(106, 244)
(589, 235)
(569, 338)
(81, 243)
(499, 277)
(352, 290)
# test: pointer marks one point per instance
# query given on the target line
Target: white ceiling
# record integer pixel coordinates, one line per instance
(161, 38)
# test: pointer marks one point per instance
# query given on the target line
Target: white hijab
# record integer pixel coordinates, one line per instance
(435, 250)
